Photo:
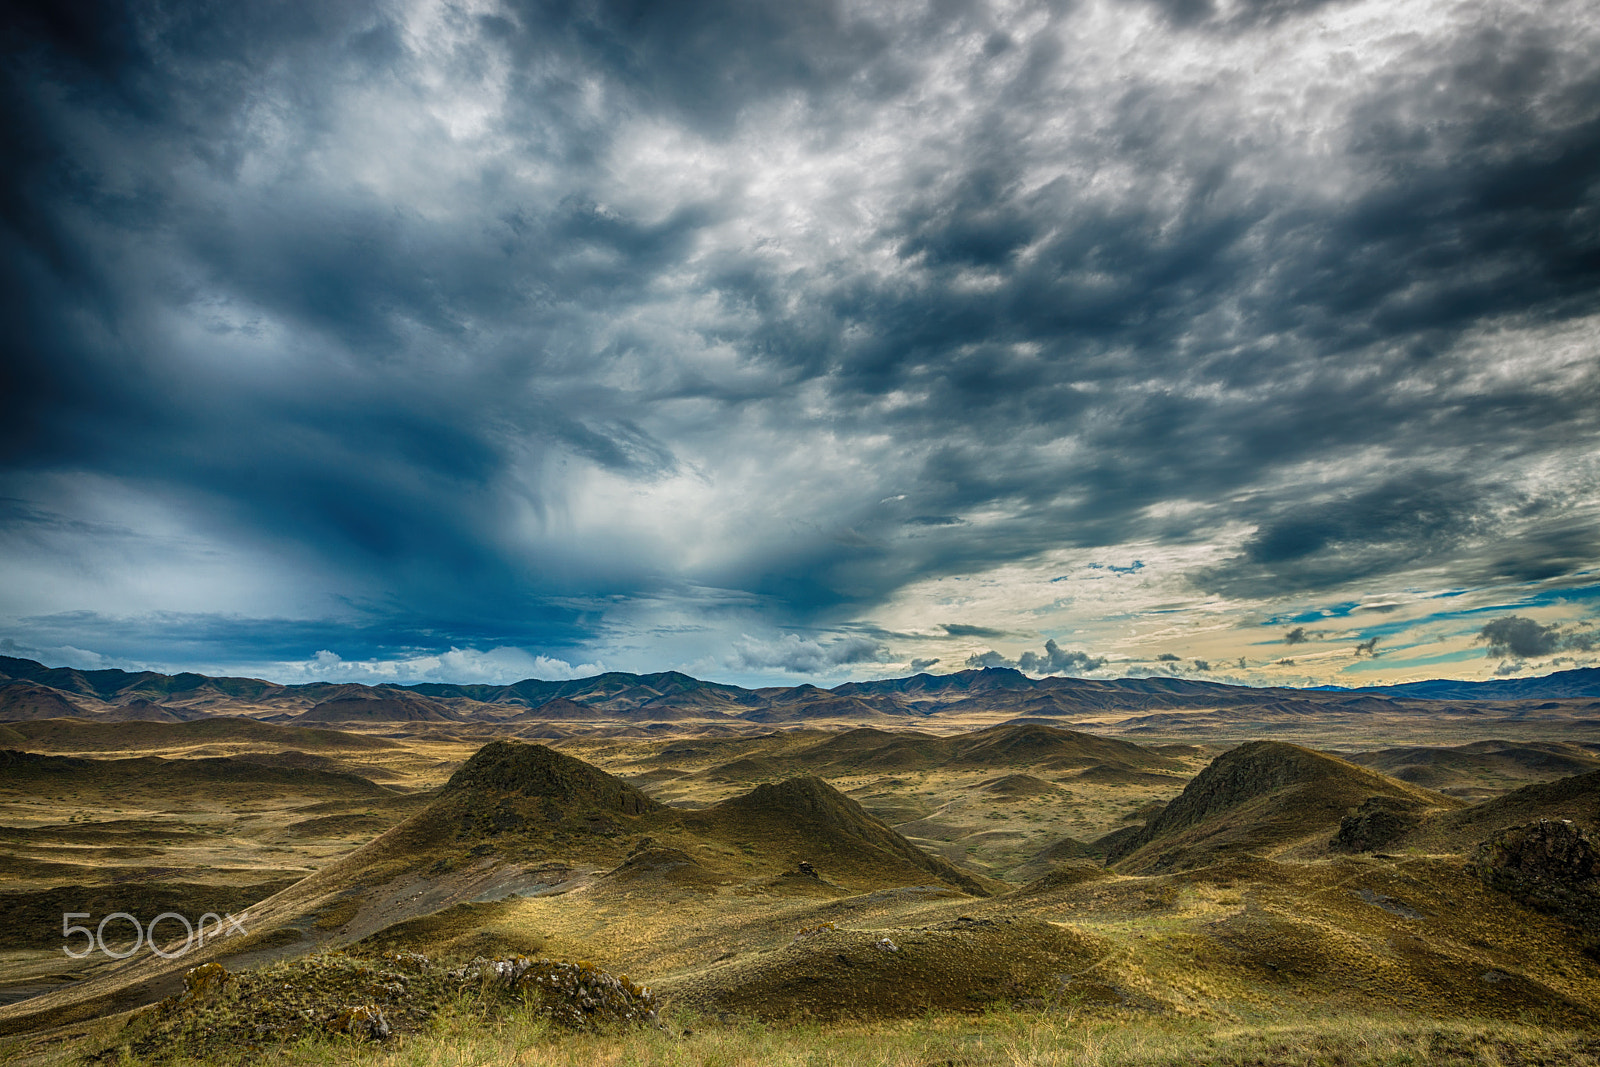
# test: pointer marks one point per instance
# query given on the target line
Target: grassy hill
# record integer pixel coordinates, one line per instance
(1481, 762)
(1263, 797)
(791, 901)
(807, 820)
(23, 701)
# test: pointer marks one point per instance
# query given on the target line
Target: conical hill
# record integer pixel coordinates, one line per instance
(1262, 797)
(521, 818)
(531, 770)
(515, 800)
(806, 819)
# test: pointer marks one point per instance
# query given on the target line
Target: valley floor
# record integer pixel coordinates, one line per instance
(1228, 931)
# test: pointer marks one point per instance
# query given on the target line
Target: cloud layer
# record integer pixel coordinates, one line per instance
(759, 338)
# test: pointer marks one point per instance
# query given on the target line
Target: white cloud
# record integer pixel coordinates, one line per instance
(497, 666)
(805, 655)
(65, 656)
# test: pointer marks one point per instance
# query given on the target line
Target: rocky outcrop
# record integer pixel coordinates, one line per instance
(1378, 823)
(1551, 865)
(223, 1013)
(579, 996)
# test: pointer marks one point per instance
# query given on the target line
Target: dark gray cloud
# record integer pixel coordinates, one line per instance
(801, 655)
(1053, 660)
(1296, 636)
(956, 629)
(1388, 528)
(1209, 17)
(1057, 660)
(1514, 635)
(748, 316)
(1524, 638)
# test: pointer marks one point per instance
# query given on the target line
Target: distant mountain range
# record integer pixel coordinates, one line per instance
(30, 690)
(1562, 685)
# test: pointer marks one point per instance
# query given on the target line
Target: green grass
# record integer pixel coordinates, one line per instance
(1003, 1039)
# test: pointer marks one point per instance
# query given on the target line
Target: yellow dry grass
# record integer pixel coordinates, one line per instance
(1002, 1039)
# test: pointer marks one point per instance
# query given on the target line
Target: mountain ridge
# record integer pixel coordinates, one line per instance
(33, 690)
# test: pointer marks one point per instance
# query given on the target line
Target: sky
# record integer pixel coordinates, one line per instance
(1247, 340)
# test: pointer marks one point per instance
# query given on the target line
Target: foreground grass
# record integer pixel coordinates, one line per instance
(1005, 1039)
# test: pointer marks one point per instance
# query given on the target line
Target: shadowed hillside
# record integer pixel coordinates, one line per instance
(806, 819)
(75, 735)
(1480, 762)
(383, 706)
(955, 965)
(152, 774)
(22, 701)
(1576, 798)
(1264, 797)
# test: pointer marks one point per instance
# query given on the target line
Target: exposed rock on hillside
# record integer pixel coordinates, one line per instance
(225, 1013)
(1379, 822)
(1550, 865)
(579, 996)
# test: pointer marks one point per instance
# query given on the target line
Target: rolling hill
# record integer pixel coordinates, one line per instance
(1443, 767)
(1260, 798)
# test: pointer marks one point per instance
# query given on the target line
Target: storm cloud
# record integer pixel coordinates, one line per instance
(1523, 638)
(1053, 660)
(714, 335)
